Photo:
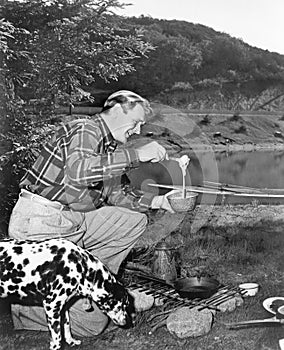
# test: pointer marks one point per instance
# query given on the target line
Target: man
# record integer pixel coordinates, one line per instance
(78, 189)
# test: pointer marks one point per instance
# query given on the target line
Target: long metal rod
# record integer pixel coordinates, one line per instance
(246, 188)
(203, 190)
(230, 186)
(190, 188)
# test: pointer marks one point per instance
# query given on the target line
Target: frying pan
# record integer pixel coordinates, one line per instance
(196, 287)
(188, 287)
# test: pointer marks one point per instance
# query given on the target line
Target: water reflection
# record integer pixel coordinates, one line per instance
(259, 169)
(254, 169)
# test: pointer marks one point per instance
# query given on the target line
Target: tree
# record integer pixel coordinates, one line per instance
(51, 50)
(174, 59)
(72, 43)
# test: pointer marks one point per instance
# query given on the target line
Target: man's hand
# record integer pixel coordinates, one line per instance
(153, 152)
(161, 202)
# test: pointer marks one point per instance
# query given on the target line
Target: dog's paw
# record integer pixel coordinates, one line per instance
(54, 346)
(73, 342)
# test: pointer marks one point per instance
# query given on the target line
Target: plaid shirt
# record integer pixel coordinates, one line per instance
(82, 168)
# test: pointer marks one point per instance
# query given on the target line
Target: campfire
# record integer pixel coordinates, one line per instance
(185, 315)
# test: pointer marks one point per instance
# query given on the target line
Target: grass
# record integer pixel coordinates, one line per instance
(252, 251)
(232, 253)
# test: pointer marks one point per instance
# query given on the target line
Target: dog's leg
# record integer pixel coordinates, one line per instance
(53, 315)
(67, 331)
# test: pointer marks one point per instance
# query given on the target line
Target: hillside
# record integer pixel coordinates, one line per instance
(195, 65)
(233, 130)
(179, 130)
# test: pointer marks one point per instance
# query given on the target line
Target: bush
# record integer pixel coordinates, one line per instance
(23, 142)
(241, 129)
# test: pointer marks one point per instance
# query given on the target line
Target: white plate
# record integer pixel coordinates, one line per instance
(267, 303)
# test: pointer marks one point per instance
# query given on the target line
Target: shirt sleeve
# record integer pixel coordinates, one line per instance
(128, 196)
(87, 164)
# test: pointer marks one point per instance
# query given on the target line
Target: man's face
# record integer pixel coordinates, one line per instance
(131, 122)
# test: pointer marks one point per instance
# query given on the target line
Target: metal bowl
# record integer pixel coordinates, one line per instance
(250, 289)
(180, 204)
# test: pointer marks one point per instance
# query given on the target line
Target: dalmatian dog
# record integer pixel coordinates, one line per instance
(50, 273)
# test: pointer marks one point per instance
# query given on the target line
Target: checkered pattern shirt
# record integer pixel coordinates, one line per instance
(82, 168)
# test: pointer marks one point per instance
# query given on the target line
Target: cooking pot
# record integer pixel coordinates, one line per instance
(196, 287)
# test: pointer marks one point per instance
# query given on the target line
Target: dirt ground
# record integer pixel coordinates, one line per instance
(256, 229)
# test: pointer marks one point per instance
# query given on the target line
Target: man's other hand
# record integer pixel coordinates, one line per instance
(153, 152)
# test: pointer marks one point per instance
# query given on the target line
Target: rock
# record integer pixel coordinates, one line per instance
(159, 302)
(142, 301)
(231, 304)
(239, 300)
(186, 322)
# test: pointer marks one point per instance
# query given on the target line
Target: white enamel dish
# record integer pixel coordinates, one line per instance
(267, 303)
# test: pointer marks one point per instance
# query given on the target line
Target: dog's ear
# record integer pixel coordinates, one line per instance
(115, 288)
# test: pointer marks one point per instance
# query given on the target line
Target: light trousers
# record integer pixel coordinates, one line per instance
(109, 233)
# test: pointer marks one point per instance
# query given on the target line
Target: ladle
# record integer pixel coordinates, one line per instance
(183, 162)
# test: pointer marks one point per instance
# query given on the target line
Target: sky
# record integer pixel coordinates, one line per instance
(259, 23)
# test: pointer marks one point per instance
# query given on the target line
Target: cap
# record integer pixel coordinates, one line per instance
(123, 96)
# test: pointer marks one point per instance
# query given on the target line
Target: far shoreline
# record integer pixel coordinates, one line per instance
(248, 147)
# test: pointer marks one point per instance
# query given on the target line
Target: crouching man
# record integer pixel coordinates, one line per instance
(78, 189)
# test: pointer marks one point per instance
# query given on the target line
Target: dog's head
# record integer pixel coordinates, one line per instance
(113, 299)
(122, 312)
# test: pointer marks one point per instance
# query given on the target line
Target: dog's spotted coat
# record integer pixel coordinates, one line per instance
(50, 272)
